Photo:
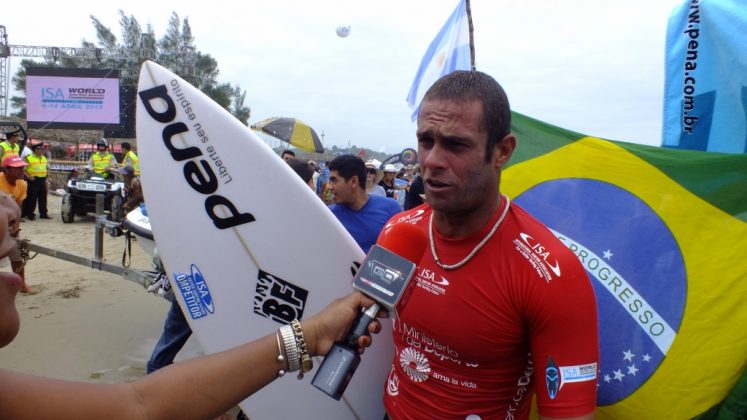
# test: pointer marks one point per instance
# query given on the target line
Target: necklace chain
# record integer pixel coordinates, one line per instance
(475, 249)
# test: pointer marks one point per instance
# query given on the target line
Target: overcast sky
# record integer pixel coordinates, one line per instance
(596, 67)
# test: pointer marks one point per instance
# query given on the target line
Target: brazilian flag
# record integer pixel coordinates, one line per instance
(662, 234)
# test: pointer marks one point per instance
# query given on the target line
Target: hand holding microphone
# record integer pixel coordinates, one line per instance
(383, 276)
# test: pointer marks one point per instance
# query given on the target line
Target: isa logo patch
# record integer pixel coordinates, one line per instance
(557, 376)
(636, 268)
(552, 378)
(195, 291)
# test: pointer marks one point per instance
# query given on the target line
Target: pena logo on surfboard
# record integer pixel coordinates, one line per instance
(199, 174)
(195, 292)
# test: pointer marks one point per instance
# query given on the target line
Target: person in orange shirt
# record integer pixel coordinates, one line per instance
(13, 184)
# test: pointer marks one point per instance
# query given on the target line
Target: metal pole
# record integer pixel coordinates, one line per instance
(143, 278)
(4, 71)
(471, 35)
(98, 235)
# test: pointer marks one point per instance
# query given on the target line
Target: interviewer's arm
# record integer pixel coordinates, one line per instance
(200, 388)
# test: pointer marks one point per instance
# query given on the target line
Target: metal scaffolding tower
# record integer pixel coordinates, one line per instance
(132, 57)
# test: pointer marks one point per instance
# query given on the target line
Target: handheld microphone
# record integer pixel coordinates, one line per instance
(383, 276)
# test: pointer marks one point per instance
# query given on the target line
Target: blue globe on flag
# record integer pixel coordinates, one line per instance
(635, 266)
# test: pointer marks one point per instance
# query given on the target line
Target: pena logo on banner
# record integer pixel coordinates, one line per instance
(705, 89)
(635, 266)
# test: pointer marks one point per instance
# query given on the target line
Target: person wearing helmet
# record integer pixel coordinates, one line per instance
(10, 147)
(102, 161)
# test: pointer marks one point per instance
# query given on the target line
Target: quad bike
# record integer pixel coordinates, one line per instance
(80, 196)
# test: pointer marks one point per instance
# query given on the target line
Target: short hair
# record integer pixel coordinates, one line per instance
(349, 166)
(288, 152)
(126, 145)
(468, 85)
(302, 168)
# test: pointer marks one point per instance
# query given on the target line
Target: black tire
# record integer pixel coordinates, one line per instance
(116, 213)
(115, 232)
(67, 209)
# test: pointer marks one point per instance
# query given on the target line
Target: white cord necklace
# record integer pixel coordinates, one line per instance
(475, 249)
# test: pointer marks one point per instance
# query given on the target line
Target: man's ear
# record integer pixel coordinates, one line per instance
(503, 150)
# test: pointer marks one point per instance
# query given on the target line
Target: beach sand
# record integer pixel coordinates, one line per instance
(84, 324)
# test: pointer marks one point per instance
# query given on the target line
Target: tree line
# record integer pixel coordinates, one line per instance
(175, 50)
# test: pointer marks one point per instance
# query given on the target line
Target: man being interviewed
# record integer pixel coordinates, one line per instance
(500, 308)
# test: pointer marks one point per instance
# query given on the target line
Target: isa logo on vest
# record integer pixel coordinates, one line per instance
(195, 291)
(635, 266)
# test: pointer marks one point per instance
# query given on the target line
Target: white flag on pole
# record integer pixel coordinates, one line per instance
(448, 52)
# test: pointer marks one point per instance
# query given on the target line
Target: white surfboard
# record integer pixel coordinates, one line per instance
(247, 244)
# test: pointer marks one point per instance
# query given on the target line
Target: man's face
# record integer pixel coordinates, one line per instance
(452, 150)
(101, 148)
(12, 173)
(13, 139)
(287, 156)
(342, 190)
